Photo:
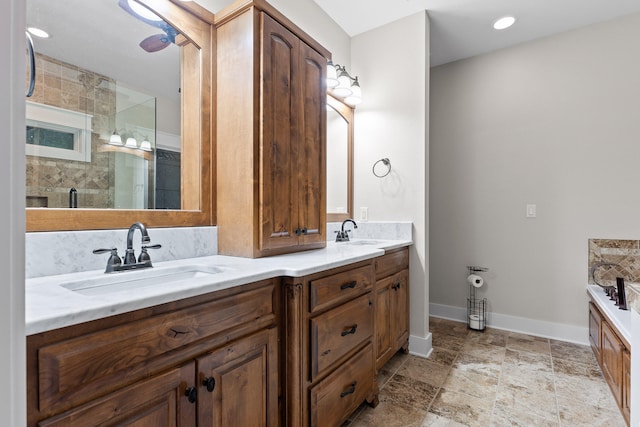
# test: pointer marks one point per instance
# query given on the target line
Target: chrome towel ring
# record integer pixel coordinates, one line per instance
(387, 163)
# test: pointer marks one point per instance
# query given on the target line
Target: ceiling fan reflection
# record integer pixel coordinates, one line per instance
(155, 42)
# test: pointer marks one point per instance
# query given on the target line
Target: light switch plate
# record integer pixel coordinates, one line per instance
(531, 211)
(364, 213)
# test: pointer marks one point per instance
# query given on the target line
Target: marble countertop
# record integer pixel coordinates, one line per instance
(621, 319)
(50, 305)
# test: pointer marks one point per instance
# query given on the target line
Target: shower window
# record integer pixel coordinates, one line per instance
(58, 133)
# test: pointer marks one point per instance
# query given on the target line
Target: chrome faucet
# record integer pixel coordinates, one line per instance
(114, 263)
(343, 235)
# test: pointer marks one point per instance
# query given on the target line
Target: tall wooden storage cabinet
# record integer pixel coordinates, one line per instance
(271, 134)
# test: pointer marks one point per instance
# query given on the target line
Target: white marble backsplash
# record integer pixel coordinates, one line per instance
(52, 253)
(383, 230)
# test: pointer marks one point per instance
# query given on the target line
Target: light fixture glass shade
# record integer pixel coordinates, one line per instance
(356, 97)
(344, 87)
(145, 145)
(332, 75)
(131, 142)
(115, 139)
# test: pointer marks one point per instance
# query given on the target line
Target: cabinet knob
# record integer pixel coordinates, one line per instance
(209, 383)
(350, 390)
(351, 330)
(192, 394)
(300, 231)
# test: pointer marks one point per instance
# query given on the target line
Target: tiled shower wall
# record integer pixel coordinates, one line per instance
(623, 254)
(66, 86)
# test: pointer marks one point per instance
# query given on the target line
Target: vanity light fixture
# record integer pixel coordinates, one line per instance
(356, 94)
(332, 75)
(504, 22)
(38, 32)
(115, 138)
(341, 85)
(131, 143)
(145, 145)
(344, 84)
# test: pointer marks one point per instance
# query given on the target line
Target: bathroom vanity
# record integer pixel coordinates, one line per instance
(609, 336)
(290, 340)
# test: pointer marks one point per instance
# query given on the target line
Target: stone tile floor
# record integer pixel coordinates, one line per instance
(491, 378)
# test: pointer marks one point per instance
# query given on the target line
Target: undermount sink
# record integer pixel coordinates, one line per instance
(365, 242)
(129, 280)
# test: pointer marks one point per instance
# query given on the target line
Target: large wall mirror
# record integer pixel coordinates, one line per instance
(119, 125)
(339, 160)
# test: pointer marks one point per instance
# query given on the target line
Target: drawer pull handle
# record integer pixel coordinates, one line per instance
(351, 330)
(209, 383)
(396, 286)
(349, 285)
(192, 394)
(350, 390)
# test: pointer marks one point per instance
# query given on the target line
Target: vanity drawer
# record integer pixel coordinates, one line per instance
(392, 262)
(339, 331)
(338, 395)
(82, 367)
(339, 287)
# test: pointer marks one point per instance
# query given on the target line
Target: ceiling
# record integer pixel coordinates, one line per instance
(100, 36)
(463, 28)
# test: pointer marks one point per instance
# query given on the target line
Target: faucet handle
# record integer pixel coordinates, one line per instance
(144, 255)
(113, 261)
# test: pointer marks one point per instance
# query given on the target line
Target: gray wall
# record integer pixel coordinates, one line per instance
(556, 123)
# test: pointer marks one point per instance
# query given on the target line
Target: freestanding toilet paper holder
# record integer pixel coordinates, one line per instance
(476, 308)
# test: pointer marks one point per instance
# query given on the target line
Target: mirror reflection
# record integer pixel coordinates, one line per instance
(103, 124)
(339, 160)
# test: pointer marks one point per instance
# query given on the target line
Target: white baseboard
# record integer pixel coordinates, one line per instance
(541, 328)
(421, 347)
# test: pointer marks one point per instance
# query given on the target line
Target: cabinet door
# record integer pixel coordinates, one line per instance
(612, 353)
(280, 111)
(311, 171)
(383, 321)
(626, 385)
(238, 384)
(399, 309)
(595, 319)
(157, 402)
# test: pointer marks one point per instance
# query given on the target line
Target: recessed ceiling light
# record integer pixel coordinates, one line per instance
(38, 32)
(504, 22)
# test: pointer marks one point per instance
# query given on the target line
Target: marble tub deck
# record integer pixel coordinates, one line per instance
(492, 378)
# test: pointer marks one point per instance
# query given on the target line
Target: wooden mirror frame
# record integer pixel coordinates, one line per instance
(347, 112)
(194, 23)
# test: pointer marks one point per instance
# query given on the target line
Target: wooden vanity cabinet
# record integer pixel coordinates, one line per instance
(613, 355)
(391, 305)
(271, 133)
(327, 337)
(595, 331)
(210, 360)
